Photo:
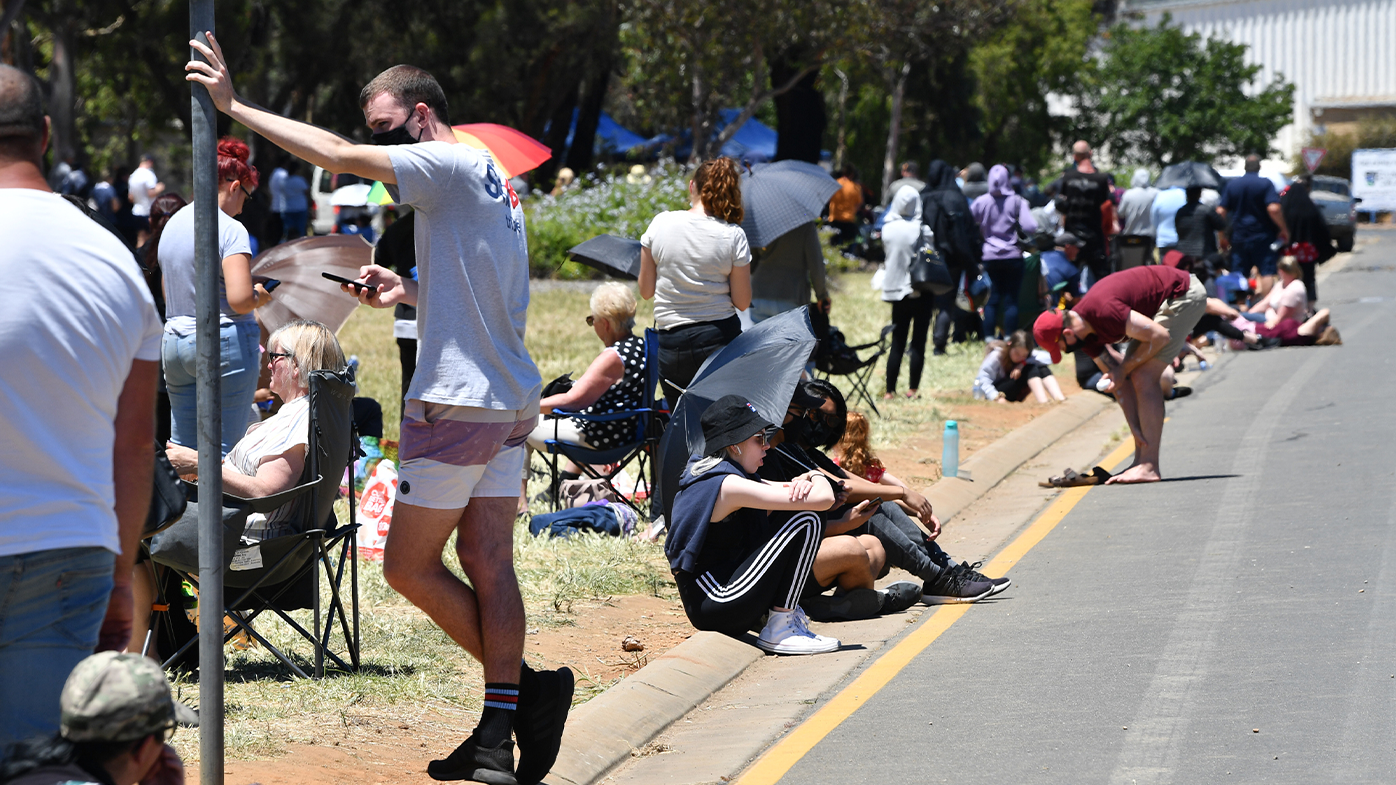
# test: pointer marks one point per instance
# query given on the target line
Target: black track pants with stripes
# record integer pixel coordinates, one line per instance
(730, 600)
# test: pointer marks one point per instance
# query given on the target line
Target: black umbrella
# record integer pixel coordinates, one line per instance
(1190, 174)
(612, 255)
(783, 196)
(762, 365)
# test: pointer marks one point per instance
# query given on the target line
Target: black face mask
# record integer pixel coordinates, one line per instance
(795, 430)
(399, 135)
(819, 433)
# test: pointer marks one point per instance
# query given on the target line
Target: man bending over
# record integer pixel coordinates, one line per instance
(1155, 307)
(473, 399)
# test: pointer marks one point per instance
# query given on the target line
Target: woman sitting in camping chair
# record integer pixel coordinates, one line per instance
(269, 459)
(614, 382)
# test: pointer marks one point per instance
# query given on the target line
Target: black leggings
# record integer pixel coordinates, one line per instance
(683, 349)
(731, 599)
(913, 315)
(1016, 390)
(1212, 322)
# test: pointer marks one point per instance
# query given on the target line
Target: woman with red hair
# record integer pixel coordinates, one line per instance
(695, 263)
(237, 297)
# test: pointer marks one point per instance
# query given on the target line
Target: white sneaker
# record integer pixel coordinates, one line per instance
(787, 632)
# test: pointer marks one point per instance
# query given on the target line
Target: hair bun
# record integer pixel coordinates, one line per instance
(230, 147)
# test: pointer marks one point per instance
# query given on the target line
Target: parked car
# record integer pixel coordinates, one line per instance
(1333, 197)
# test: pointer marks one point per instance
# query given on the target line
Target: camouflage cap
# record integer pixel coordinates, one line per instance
(118, 697)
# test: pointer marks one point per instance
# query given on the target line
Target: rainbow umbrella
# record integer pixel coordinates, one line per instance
(378, 194)
(514, 151)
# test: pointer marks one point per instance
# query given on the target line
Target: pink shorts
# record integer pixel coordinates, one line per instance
(451, 454)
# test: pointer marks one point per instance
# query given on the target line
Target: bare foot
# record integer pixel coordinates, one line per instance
(913, 393)
(1139, 473)
(888, 396)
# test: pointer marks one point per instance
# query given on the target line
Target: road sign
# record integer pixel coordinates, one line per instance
(1313, 156)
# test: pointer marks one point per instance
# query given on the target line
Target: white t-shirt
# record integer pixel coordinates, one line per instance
(277, 186)
(81, 315)
(472, 267)
(176, 254)
(694, 256)
(289, 427)
(1294, 295)
(138, 189)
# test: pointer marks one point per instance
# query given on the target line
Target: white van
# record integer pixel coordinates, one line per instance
(322, 185)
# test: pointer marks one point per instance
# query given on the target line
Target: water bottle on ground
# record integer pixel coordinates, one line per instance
(950, 450)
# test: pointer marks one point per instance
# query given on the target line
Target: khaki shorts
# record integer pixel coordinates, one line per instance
(1179, 315)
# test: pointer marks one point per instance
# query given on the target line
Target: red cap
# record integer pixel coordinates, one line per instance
(1173, 258)
(1047, 331)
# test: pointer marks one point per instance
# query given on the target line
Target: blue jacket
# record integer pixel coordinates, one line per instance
(694, 542)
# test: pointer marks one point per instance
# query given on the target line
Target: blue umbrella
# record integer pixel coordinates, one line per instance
(762, 365)
(783, 196)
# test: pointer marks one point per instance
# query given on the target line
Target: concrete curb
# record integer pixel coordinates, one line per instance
(605, 730)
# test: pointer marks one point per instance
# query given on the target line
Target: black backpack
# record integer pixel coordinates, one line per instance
(956, 233)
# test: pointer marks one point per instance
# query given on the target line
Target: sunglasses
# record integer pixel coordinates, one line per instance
(273, 355)
(768, 434)
(591, 320)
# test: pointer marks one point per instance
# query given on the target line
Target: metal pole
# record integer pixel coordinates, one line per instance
(210, 394)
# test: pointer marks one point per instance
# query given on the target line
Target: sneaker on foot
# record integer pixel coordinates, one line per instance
(539, 725)
(850, 606)
(899, 596)
(955, 586)
(469, 761)
(999, 583)
(787, 633)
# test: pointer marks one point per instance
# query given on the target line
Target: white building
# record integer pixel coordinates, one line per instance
(1339, 54)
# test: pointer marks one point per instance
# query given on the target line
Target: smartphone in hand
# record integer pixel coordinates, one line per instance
(341, 279)
(270, 284)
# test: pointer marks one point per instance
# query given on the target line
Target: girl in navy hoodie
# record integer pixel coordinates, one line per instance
(739, 546)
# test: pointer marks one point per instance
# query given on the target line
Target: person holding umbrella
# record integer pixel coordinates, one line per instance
(695, 264)
(473, 400)
(741, 547)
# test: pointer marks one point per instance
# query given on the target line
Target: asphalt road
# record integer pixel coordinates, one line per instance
(1157, 628)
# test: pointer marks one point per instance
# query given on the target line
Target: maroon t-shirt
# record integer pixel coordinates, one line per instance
(1107, 305)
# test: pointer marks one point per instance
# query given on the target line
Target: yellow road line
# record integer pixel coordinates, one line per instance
(788, 751)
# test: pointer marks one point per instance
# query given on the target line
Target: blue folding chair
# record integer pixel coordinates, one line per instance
(638, 450)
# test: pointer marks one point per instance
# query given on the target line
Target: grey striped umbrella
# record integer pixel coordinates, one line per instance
(783, 196)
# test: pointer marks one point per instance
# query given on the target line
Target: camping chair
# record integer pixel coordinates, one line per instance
(604, 465)
(282, 574)
(836, 358)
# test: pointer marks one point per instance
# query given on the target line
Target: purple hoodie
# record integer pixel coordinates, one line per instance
(995, 212)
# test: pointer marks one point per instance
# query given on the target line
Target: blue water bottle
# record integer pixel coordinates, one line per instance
(950, 450)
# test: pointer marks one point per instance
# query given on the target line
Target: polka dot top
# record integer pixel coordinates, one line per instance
(628, 393)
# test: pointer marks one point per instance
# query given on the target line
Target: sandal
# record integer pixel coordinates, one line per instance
(1070, 478)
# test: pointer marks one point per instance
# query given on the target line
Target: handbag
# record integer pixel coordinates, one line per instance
(167, 499)
(972, 293)
(929, 273)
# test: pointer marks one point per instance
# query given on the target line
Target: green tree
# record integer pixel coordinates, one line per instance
(1158, 95)
(1371, 132)
(1043, 49)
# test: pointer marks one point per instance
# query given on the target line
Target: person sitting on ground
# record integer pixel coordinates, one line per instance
(116, 720)
(614, 382)
(1009, 371)
(815, 422)
(270, 457)
(1154, 306)
(1284, 309)
(741, 547)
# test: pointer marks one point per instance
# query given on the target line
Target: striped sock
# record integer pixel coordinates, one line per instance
(497, 718)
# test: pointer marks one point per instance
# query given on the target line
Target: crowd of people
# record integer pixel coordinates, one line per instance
(774, 525)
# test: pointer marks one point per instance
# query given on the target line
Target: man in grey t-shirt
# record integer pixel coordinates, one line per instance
(473, 399)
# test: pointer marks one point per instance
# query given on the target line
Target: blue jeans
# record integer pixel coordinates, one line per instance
(1005, 284)
(51, 608)
(1255, 253)
(238, 348)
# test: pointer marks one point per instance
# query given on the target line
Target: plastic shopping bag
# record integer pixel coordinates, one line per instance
(375, 512)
